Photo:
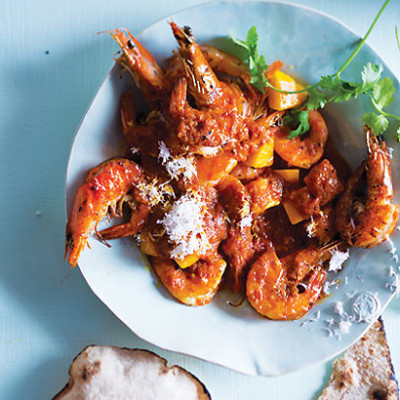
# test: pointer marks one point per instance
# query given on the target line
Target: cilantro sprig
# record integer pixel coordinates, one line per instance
(256, 63)
(330, 88)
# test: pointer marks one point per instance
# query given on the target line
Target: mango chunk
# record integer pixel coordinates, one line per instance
(300, 205)
(263, 157)
(291, 176)
(187, 261)
(281, 101)
(295, 215)
(212, 170)
(265, 193)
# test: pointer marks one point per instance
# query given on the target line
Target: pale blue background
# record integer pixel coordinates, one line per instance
(47, 311)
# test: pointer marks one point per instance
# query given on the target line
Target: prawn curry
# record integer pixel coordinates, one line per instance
(216, 191)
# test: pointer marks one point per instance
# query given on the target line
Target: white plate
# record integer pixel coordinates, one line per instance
(313, 44)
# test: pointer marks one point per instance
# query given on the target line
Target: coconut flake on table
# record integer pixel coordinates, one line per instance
(337, 260)
(184, 225)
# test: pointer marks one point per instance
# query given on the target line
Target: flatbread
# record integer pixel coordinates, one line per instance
(364, 371)
(113, 373)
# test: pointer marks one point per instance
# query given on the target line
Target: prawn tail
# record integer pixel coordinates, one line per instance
(141, 64)
(136, 223)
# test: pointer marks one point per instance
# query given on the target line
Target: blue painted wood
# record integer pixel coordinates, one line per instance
(50, 68)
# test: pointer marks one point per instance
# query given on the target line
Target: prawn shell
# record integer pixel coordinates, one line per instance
(306, 150)
(272, 294)
(193, 286)
(103, 187)
(366, 225)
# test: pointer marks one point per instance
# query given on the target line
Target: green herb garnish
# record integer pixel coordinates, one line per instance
(256, 63)
(330, 88)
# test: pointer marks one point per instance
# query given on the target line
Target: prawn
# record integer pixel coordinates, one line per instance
(226, 63)
(193, 286)
(147, 74)
(220, 62)
(369, 222)
(303, 151)
(105, 186)
(203, 84)
(136, 223)
(285, 289)
(224, 118)
(231, 66)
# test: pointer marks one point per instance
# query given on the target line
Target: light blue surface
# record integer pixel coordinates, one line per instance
(47, 311)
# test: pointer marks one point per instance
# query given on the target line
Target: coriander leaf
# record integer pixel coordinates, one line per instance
(258, 82)
(252, 40)
(299, 119)
(383, 92)
(378, 123)
(316, 99)
(370, 75)
(239, 42)
(344, 93)
(262, 64)
(329, 82)
(256, 63)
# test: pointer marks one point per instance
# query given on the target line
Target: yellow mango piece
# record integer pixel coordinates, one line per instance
(211, 170)
(295, 216)
(281, 101)
(263, 157)
(187, 261)
(291, 176)
(265, 193)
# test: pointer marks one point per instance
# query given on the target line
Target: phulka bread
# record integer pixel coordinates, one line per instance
(365, 371)
(107, 373)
